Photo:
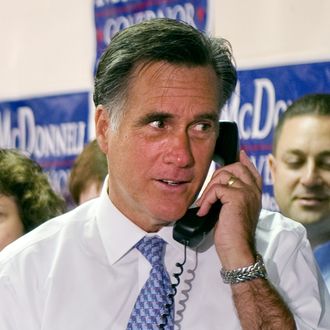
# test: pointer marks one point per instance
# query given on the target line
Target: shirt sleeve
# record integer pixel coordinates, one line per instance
(16, 306)
(8, 311)
(296, 276)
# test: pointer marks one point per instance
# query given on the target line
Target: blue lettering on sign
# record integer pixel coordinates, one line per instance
(40, 141)
(51, 130)
(114, 16)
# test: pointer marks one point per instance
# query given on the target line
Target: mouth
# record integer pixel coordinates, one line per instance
(172, 182)
(312, 200)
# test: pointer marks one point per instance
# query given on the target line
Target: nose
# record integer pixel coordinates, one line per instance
(311, 176)
(178, 150)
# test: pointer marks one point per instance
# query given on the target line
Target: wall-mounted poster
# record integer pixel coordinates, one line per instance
(260, 98)
(51, 130)
(112, 16)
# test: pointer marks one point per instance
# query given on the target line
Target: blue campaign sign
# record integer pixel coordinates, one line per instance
(260, 98)
(112, 16)
(51, 130)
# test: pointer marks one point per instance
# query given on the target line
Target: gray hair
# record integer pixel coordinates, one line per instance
(156, 40)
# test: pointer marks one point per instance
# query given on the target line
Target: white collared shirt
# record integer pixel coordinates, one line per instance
(80, 272)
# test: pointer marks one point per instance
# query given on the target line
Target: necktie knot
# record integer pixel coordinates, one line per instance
(152, 248)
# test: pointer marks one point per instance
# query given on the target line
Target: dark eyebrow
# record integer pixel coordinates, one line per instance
(292, 152)
(154, 116)
(325, 153)
(299, 152)
(296, 152)
(163, 116)
(208, 116)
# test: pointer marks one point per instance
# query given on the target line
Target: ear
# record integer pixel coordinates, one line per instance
(102, 122)
(272, 165)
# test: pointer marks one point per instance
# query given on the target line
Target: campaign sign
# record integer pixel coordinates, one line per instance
(261, 96)
(51, 130)
(112, 16)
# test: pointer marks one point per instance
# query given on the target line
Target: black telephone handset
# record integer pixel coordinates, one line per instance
(191, 229)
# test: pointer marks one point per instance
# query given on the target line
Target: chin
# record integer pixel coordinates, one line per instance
(171, 214)
(306, 219)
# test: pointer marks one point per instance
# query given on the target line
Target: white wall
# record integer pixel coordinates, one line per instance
(48, 46)
(264, 32)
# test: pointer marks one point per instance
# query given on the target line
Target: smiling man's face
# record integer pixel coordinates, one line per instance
(301, 168)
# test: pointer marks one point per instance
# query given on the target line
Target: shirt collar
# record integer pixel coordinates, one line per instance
(119, 234)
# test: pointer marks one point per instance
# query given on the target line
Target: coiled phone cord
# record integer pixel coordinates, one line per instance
(174, 286)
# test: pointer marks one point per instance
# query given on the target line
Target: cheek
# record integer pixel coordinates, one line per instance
(287, 179)
(144, 147)
(9, 232)
(326, 178)
(203, 155)
(146, 157)
(133, 153)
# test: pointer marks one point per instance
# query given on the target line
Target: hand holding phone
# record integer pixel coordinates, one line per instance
(191, 229)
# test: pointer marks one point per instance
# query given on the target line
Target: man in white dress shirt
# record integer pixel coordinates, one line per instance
(159, 89)
(300, 170)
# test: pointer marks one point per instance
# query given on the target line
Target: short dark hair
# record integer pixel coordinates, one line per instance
(160, 39)
(309, 104)
(23, 179)
(90, 166)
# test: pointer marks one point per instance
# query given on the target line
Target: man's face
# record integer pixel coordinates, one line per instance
(160, 154)
(301, 168)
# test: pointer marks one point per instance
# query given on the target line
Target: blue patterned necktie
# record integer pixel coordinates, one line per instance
(153, 308)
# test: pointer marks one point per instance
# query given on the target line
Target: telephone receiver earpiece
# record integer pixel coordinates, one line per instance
(191, 229)
(227, 146)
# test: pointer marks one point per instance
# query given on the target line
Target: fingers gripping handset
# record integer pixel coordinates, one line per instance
(191, 228)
